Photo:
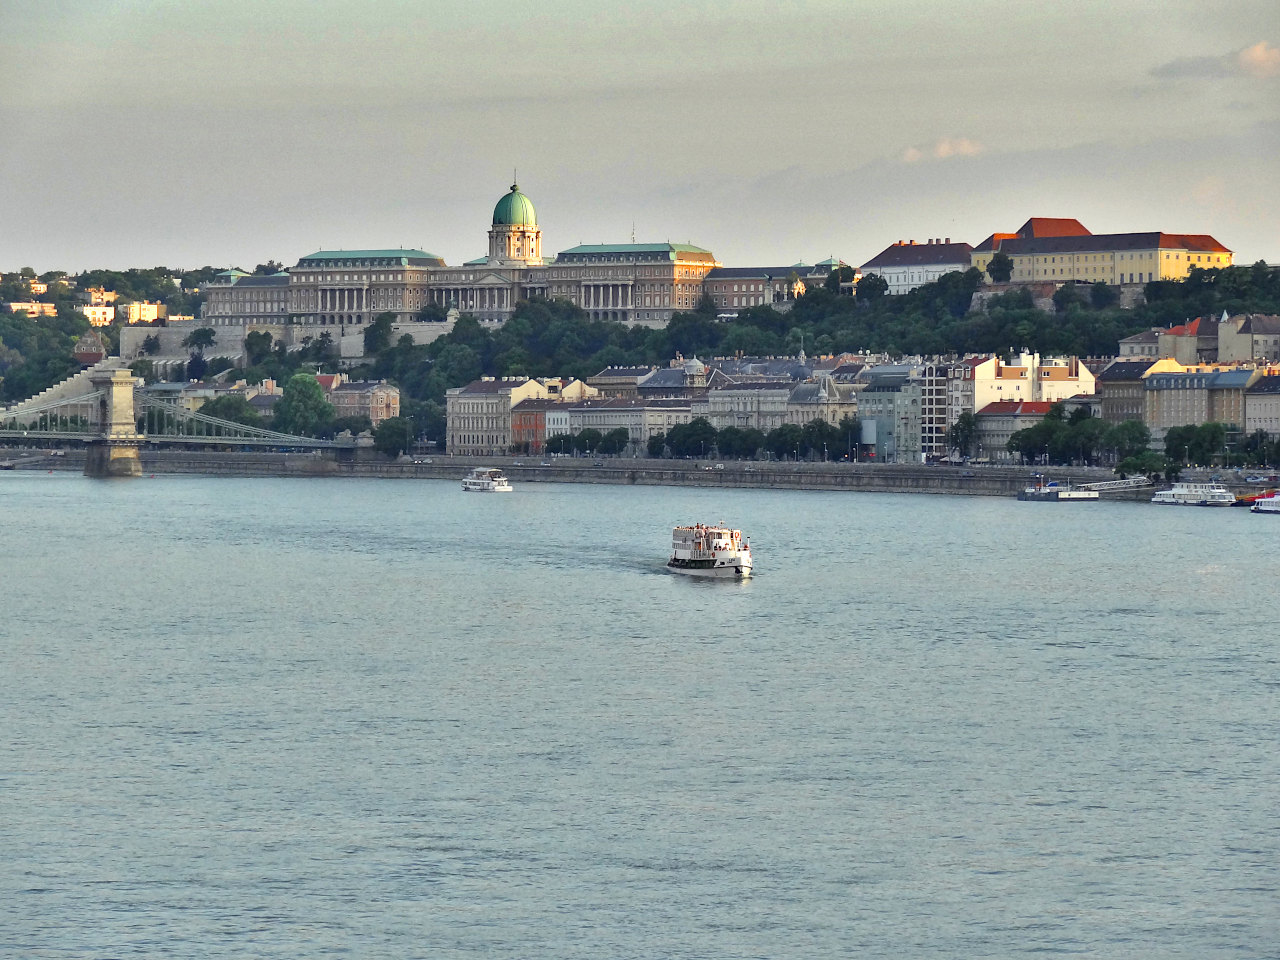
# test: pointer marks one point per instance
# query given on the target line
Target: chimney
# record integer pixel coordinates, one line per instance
(948, 240)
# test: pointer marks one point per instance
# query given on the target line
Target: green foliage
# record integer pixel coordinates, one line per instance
(1102, 295)
(199, 339)
(377, 335)
(1202, 444)
(962, 434)
(35, 354)
(697, 438)
(1000, 268)
(1059, 439)
(234, 407)
(785, 442)
(615, 441)
(302, 408)
(1148, 463)
(393, 436)
(871, 288)
(656, 447)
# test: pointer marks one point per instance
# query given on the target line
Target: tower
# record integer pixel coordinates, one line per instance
(514, 237)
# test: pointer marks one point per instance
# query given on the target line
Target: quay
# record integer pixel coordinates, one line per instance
(975, 480)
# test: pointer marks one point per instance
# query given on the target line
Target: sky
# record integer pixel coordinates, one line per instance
(141, 133)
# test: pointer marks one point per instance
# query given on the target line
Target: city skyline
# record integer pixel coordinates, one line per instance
(150, 133)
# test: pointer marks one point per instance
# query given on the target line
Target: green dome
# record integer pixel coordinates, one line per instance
(515, 209)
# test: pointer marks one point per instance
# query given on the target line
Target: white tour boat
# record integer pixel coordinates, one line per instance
(486, 480)
(704, 551)
(1196, 495)
(1266, 504)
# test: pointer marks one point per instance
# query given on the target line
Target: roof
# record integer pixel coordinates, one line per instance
(672, 251)
(490, 385)
(1146, 336)
(1016, 408)
(623, 373)
(760, 273)
(992, 242)
(1260, 323)
(401, 255)
(515, 209)
(1125, 370)
(1112, 241)
(1267, 384)
(274, 280)
(921, 254)
(1052, 227)
(1189, 329)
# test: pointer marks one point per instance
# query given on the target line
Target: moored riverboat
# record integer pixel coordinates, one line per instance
(1269, 503)
(705, 551)
(486, 480)
(1050, 490)
(1196, 495)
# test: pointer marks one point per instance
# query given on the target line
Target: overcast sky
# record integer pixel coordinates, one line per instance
(168, 132)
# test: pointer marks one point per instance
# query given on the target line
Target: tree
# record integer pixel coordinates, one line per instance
(1145, 464)
(587, 441)
(560, 443)
(1000, 268)
(393, 436)
(200, 339)
(302, 408)
(197, 366)
(872, 287)
(1127, 439)
(657, 444)
(268, 269)
(145, 369)
(1101, 295)
(819, 437)
(785, 441)
(377, 335)
(615, 441)
(841, 274)
(697, 438)
(232, 406)
(151, 344)
(1065, 296)
(962, 434)
(257, 346)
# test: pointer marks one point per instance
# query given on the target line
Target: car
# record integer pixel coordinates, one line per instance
(517, 463)
(719, 466)
(1255, 480)
(966, 473)
(422, 460)
(545, 463)
(599, 463)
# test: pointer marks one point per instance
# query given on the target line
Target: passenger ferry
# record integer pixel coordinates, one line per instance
(704, 551)
(1196, 495)
(1049, 490)
(486, 480)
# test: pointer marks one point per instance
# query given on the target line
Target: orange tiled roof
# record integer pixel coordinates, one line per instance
(1052, 227)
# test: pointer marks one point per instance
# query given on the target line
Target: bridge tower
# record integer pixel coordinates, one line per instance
(115, 454)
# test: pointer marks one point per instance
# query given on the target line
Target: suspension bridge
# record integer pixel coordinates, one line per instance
(102, 407)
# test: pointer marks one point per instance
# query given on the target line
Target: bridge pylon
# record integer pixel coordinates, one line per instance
(115, 453)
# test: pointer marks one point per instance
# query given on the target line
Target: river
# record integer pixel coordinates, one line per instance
(383, 719)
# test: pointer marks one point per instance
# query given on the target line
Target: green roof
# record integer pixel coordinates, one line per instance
(515, 209)
(671, 249)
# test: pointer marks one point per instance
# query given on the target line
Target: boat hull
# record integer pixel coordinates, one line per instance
(724, 571)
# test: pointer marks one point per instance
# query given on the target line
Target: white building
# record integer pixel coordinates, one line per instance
(907, 265)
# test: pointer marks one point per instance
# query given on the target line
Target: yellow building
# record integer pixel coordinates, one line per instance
(1056, 251)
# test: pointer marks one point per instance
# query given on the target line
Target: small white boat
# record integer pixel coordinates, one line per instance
(704, 551)
(1269, 504)
(486, 480)
(1196, 495)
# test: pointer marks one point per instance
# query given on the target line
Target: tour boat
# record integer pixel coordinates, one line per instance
(704, 551)
(1196, 495)
(1266, 504)
(486, 480)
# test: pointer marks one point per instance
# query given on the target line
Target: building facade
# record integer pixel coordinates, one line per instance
(906, 264)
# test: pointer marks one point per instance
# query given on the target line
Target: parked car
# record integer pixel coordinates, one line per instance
(546, 463)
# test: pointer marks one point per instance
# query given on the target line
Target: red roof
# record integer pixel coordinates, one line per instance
(993, 242)
(327, 380)
(1194, 241)
(1052, 227)
(1191, 329)
(1017, 408)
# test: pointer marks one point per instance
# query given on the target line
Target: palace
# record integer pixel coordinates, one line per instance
(342, 291)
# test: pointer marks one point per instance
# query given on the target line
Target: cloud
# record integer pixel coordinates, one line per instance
(1260, 61)
(942, 149)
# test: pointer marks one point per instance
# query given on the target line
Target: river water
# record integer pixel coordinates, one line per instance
(342, 718)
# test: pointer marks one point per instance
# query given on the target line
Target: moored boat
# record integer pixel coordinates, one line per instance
(1195, 495)
(705, 551)
(1049, 490)
(486, 480)
(1266, 504)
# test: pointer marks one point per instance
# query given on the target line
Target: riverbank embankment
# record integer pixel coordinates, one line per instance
(972, 480)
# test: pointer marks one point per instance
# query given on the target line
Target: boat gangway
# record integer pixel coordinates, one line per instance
(1108, 486)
